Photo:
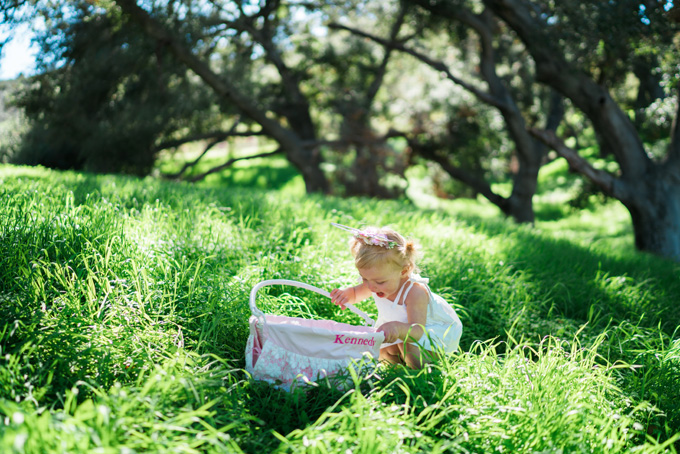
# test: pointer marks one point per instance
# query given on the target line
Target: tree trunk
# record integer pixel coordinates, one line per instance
(520, 203)
(362, 177)
(308, 162)
(655, 212)
(531, 156)
(370, 162)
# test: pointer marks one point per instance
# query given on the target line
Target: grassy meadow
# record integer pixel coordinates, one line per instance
(124, 317)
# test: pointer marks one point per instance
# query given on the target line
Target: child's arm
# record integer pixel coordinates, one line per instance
(350, 295)
(416, 311)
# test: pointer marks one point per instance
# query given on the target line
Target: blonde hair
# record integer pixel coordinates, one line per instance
(403, 254)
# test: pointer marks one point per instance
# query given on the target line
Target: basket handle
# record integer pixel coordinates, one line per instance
(257, 312)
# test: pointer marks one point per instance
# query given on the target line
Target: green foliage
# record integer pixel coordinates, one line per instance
(629, 47)
(115, 94)
(611, 35)
(562, 192)
(467, 137)
(123, 323)
(12, 120)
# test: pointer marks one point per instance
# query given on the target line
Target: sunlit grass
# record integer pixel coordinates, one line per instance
(123, 322)
(552, 397)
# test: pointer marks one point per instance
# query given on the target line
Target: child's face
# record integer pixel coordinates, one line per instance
(384, 280)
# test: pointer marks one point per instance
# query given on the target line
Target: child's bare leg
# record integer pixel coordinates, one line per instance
(391, 354)
(414, 356)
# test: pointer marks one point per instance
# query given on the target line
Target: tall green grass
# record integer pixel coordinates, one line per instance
(123, 322)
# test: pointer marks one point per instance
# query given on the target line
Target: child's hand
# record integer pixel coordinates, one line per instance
(342, 297)
(391, 331)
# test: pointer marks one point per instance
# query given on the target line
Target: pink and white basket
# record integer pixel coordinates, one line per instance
(283, 350)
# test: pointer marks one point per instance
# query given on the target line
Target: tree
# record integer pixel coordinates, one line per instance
(650, 189)
(360, 75)
(179, 40)
(493, 51)
(272, 40)
(587, 52)
(114, 94)
(293, 129)
(12, 12)
(259, 61)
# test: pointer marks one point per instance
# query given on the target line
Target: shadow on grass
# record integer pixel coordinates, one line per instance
(582, 282)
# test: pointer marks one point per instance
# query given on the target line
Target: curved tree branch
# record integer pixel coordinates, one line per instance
(218, 136)
(435, 64)
(188, 165)
(429, 152)
(214, 141)
(289, 136)
(607, 182)
(380, 73)
(231, 162)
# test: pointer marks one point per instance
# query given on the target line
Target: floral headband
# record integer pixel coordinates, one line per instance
(372, 239)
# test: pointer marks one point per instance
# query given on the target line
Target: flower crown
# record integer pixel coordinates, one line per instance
(372, 239)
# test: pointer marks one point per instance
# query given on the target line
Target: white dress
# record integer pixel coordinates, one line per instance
(443, 328)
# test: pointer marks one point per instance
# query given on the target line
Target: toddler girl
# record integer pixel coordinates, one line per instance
(413, 319)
